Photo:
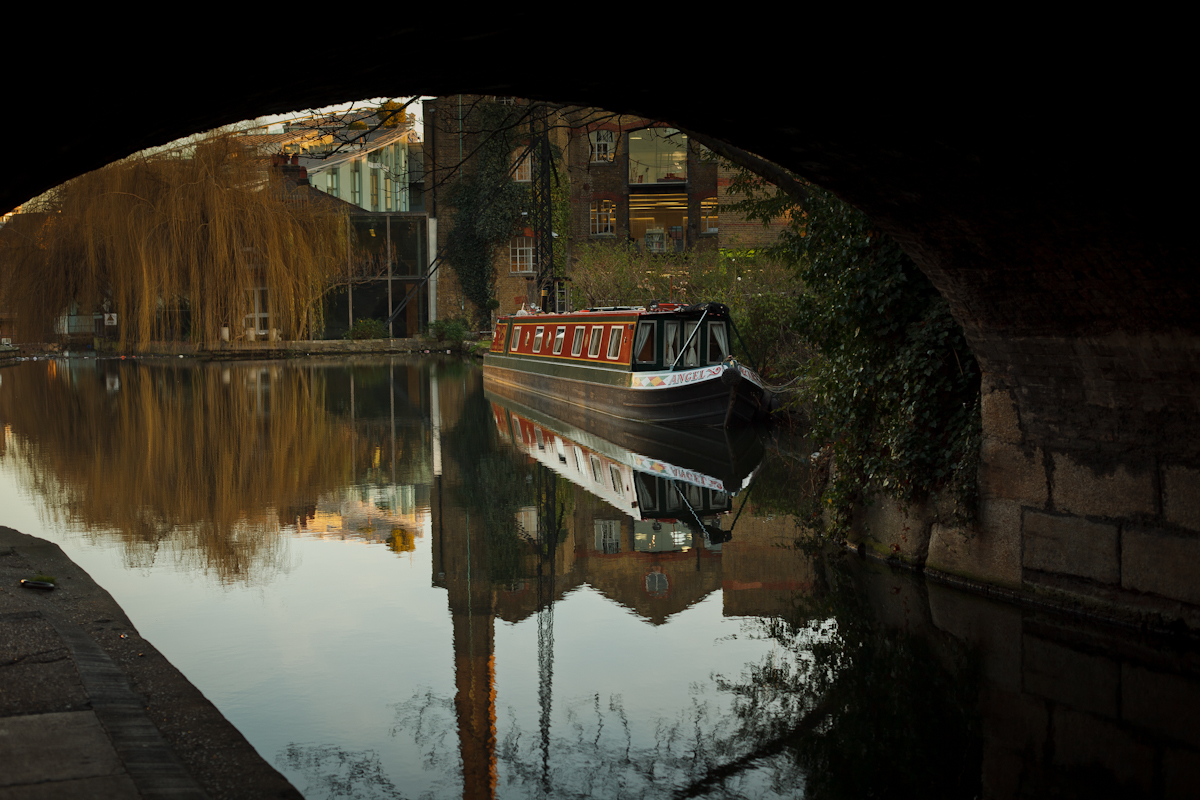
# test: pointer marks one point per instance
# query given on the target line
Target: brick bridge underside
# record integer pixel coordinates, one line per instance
(1042, 203)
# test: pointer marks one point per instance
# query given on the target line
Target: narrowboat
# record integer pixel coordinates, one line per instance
(666, 363)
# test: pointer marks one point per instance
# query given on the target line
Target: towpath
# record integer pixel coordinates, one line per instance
(88, 708)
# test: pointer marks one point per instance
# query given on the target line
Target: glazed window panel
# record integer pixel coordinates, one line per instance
(614, 342)
(614, 475)
(671, 342)
(608, 536)
(718, 342)
(708, 216)
(577, 340)
(657, 155)
(594, 345)
(559, 336)
(537, 339)
(603, 146)
(691, 355)
(524, 170)
(644, 344)
(604, 218)
(520, 255)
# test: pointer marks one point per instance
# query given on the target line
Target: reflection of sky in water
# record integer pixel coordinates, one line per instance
(339, 658)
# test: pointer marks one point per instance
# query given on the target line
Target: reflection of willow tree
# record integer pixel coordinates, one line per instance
(203, 461)
(855, 708)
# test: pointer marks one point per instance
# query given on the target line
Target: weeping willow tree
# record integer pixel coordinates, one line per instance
(172, 242)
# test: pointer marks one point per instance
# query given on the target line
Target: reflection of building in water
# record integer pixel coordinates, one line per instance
(392, 514)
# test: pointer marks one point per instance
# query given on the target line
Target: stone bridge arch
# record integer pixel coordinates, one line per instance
(1044, 203)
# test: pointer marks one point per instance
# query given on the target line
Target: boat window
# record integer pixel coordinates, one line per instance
(671, 341)
(577, 341)
(614, 341)
(596, 471)
(559, 335)
(537, 339)
(643, 345)
(720, 500)
(647, 491)
(615, 474)
(718, 342)
(594, 347)
(692, 356)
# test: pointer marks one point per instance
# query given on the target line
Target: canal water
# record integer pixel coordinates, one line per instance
(398, 584)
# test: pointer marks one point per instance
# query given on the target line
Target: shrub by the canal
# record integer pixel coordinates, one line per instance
(367, 329)
(451, 331)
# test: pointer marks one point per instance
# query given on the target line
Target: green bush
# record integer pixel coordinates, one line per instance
(367, 329)
(448, 330)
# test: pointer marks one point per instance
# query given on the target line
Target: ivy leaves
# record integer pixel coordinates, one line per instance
(890, 384)
(487, 202)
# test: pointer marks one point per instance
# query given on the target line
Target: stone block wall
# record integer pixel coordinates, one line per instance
(1076, 518)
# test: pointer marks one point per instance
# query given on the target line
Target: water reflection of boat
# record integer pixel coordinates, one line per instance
(667, 364)
(671, 486)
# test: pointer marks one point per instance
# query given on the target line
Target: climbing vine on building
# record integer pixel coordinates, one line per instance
(488, 203)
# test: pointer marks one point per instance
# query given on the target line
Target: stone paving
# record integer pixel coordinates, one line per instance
(90, 709)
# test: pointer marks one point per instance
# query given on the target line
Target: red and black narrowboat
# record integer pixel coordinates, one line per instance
(668, 363)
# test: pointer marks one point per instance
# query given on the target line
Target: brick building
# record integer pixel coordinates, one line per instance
(629, 181)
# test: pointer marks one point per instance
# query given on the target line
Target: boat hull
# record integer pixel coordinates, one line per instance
(689, 397)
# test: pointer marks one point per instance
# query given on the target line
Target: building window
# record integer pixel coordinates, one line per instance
(506, 101)
(520, 255)
(604, 218)
(356, 183)
(374, 190)
(524, 170)
(657, 222)
(603, 146)
(657, 155)
(608, 536)
(708, 215)
(333, 181)
(387, 193)
(257, 322)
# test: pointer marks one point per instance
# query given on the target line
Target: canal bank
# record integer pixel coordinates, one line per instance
(88, 708)
(222, 351)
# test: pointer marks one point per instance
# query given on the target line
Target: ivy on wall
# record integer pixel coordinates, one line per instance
(488, 203)
(890, 384)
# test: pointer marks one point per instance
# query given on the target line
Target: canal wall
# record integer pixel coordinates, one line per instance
(259, 350)
(1057, 526)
